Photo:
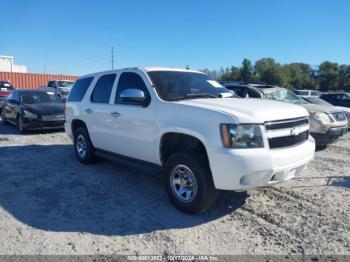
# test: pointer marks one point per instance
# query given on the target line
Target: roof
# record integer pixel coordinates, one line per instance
(146, 69)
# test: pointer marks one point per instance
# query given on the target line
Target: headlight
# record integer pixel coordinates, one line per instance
(322, 117)
(241, 136)
(30, 115)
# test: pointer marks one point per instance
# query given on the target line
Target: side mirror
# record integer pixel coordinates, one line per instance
(133, 96)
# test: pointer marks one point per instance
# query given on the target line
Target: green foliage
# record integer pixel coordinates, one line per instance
(327, 77)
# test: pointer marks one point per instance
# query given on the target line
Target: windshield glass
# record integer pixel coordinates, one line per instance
(38, 98)
(67, 84)
(317, 101)
(175, 85)
(285, 95)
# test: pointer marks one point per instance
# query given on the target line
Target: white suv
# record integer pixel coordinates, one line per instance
(190, 126)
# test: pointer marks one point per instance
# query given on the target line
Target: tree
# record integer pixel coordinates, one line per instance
(344, 77)
(270, 72)
(230, 74)
(246, 71)
(328, 76)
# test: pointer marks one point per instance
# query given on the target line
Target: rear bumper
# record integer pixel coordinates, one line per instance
(330, 136)
(242, 169)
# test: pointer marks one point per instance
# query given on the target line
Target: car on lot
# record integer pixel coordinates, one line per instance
(5, 89)
(327, 124)
(189, 126)
(58, 87)
(305, 92)
(319, 101)
(33, 110)
(337, 99)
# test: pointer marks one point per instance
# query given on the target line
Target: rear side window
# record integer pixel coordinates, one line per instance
(130, 81)
(79, 89)
(103, 89)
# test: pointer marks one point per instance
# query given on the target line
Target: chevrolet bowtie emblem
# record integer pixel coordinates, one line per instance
(294, 131)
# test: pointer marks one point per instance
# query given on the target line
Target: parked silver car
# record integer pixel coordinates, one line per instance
(327, 124)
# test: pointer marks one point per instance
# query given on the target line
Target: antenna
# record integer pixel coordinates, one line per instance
(112, 57)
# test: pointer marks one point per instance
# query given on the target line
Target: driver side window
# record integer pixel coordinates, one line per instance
(131, 80)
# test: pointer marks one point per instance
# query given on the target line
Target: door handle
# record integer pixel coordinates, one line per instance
(89, 110)
(115, 114)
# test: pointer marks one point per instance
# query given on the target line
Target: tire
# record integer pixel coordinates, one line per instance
(203, 195)
(20, 127)
(83, 147)
(3, 117)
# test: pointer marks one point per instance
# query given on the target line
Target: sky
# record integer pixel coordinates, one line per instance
(76, 37)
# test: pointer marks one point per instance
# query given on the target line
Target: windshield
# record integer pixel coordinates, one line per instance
(317, 101)
(67, 84)
(38, 98)
(175, 85)
(285, 95)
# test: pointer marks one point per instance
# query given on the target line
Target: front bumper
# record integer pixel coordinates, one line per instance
(37, 124)
(241, 169)
(330, 136)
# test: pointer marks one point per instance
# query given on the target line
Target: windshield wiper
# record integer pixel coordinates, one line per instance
(190, 96)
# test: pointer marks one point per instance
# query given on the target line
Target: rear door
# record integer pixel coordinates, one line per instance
(98, 111)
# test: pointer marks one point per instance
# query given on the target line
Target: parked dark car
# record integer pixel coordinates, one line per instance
(33, 110)
(337, 99)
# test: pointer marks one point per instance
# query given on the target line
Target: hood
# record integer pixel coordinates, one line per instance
(342, 108)
(321, 108)
(250, 110)
(45, 109)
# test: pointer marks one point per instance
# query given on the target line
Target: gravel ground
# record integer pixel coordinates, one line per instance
(52, 204)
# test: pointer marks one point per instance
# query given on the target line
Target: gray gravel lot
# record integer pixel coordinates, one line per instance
(52, 204)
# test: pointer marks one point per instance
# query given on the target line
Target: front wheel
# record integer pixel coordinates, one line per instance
(188, 183)
(3, 117)
(20, 126)
(84, 149)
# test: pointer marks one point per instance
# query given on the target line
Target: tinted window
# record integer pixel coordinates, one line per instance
(130, 81)
(79, 89)
(103, 89)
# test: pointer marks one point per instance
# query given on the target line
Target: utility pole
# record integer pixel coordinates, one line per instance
(44, 69)
(112, 57)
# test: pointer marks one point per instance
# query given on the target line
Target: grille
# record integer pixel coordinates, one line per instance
(339, 116)
(289, 132)
(59, 117)
(285, 141)
(286, 123)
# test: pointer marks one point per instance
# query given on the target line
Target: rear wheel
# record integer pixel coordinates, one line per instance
(3, 117)
(188, 183)
(84, 149)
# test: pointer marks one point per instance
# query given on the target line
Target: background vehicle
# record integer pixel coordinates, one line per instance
(326, 123)
(302, 92)
(337, 99)
(59, 87)
(189, 126)
(5, 89)
(319, 101)
(33, 110)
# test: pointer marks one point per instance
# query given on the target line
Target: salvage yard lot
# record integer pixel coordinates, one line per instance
(52, 204)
